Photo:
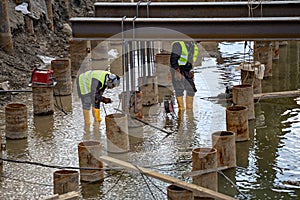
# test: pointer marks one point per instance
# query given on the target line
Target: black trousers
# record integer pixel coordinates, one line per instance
(185, 84)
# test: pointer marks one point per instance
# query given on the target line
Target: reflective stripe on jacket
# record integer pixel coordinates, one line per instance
(85, 80)
(183, 60)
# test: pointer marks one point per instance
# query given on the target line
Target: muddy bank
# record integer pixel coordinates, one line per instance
(16, 68)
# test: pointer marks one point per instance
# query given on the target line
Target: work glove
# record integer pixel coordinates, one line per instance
(191, 74)
(177, 75)
(106, 100)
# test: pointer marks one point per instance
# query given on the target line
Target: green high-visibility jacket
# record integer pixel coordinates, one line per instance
(183, 60)
(85, 80)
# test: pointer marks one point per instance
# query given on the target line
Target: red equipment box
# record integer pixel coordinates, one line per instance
(42, 77)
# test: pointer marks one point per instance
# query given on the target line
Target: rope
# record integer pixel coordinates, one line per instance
(251, 8)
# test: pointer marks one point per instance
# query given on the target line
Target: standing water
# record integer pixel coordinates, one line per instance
(268, 164)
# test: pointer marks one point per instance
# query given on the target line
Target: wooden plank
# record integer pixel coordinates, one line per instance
(67, 196)
(197, 190)
(70, 196)
(203, 171)
(273, 95)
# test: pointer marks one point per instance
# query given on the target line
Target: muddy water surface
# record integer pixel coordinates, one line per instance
(268, 164)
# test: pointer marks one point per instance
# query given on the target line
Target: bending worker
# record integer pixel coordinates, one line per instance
(90, 87)
(183, 55)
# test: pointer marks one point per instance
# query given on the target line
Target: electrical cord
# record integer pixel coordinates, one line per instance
(148, 186)
(55, 166)
(115, 184)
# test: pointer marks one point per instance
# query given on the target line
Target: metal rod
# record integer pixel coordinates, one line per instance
(123, 52)
(104, 109)
(148, 46)
(137, 8)
(127, 71)
(148, 4)
(146, 123)
(133, 67)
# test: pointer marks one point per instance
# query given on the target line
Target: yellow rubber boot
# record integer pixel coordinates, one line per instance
(189, 102)
(96, 114)
(86, 117)
(180, 103)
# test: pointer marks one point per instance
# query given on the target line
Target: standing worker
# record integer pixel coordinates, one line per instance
(90, 87)
(183, 55)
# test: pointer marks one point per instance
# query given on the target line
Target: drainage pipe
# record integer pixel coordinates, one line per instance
(178, 193)
(16, 121)
(62, 74)
(205, 158)
(117, 133)
(89, 153)
(263, 53)
(135, 107)
(224, 143)
(237, 122)
(243, 95)
(149, 89)
(43, 100)
(65, 181)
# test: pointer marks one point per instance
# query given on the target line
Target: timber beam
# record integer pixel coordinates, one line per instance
(198, 9)
(202, 29)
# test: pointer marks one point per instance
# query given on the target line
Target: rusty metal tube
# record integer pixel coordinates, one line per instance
(16, 121)
(79, 54)
(65, 181)
(177, 193)
(62, 74)
(224, 143)
(237, 122)
(205, 158)
(249, 77)
(162, 68)
(243, 95)
(117, 133)
(264, 54)
(149, 89)
(135, 107)
(43, 101)
(89, 153)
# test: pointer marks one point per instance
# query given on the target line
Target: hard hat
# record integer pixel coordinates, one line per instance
(112, 81)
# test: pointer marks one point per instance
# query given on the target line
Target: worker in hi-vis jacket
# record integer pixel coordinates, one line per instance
(90, 87)
(183, 56)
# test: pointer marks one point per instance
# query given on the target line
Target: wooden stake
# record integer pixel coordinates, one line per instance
(197, 190)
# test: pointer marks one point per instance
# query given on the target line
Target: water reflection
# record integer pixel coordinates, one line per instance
(17, 148)
(43, 127)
